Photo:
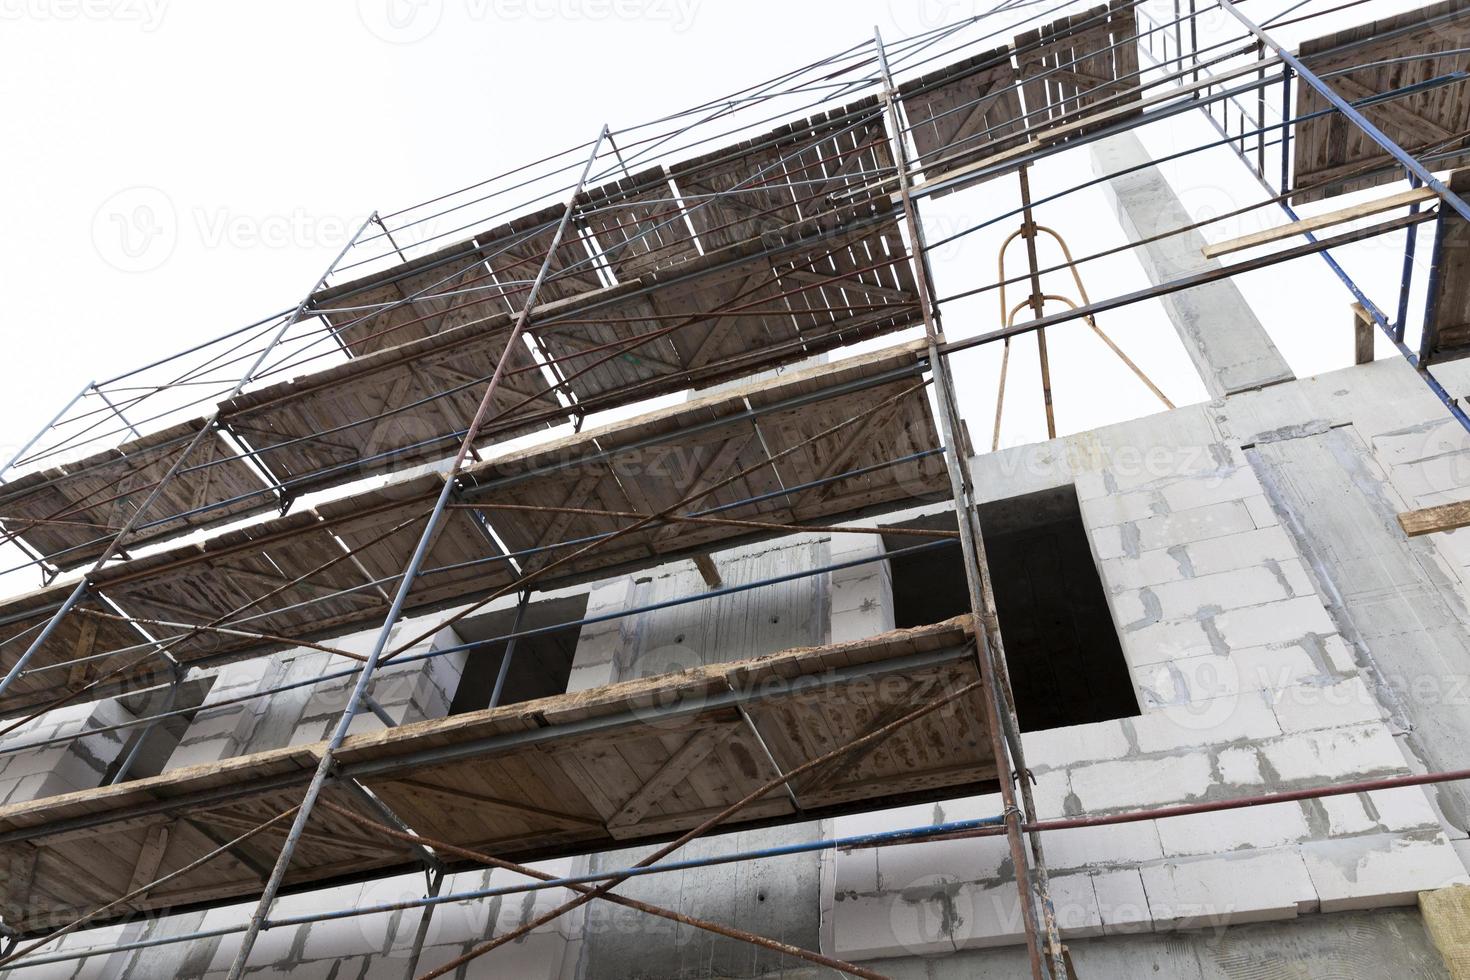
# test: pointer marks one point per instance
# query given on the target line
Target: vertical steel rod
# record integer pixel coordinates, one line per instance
(400, 598)
(117, 411)
(955, 464)
(1037, 299)
(510, 649)
(426, 919)
(1406, 278)
(169, 698)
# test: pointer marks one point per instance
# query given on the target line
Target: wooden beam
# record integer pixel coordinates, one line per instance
(81, 673)
(1045, 136)
(149, 859)
(329, 839)
(1428, 520)
(1363, 330)
(20, 876)
(824, 777)
(705, 351)
(556, 529)
(856, 441)
(722, 463)
(1397, 116)
(708, 570)
(272, 581)
(1363, 210)
(683, 762)
(833, 281)
(395, 396)
(237, 851)
(462, 796)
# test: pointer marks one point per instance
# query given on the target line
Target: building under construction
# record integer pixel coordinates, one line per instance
(593, 574)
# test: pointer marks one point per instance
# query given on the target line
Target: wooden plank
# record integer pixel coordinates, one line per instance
(1363, 330)
(674, 772)
(463, 797)
(146, 867)
(1341, 215)
(822, 778)
(1053, 134)
(1398, 117)
(1428, 520)
(1394, 53)
(81, 673)
(708, 571)
(20, 877)
(528, 800)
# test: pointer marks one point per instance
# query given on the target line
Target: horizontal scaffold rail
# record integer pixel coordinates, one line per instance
(611, 766)
(775, 438)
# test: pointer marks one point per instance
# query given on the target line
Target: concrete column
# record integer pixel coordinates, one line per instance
(1228, 345)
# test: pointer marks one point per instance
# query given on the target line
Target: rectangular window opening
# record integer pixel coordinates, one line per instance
(1062, 649)
(162, 737)
(540, 665)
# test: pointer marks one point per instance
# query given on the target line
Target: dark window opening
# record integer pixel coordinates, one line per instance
(156, 741)
(1062, 649)
(540, 664)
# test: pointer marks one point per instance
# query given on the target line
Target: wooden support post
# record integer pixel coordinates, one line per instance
(709, 570)
(1363, 331)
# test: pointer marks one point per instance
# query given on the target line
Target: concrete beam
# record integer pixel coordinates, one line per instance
(1228, 345)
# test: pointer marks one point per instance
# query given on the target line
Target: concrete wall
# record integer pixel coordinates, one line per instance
(1259, 661)
(1269, 647)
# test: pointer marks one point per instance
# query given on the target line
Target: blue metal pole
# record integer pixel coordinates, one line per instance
(1412, 165)
(1406, 279)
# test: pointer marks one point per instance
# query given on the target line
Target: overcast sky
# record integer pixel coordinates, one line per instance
(173, 169)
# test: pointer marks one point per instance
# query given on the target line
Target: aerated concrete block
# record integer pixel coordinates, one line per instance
(1252, 886)
(1379, 871)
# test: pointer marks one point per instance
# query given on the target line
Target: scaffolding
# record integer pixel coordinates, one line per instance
(442, 421)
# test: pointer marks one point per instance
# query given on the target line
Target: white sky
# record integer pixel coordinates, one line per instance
(260, 134)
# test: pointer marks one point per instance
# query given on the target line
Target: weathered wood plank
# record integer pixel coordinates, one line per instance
(1340, 216)
(1429, 520)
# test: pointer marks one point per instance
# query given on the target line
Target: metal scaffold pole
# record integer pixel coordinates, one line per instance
(999, 706)
(1353, 114)
(85, 582)
(400, 598)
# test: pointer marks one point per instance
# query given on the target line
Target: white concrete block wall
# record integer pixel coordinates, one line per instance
(1245, 687)
(744, 624)
(409, 691)
(31, 773)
